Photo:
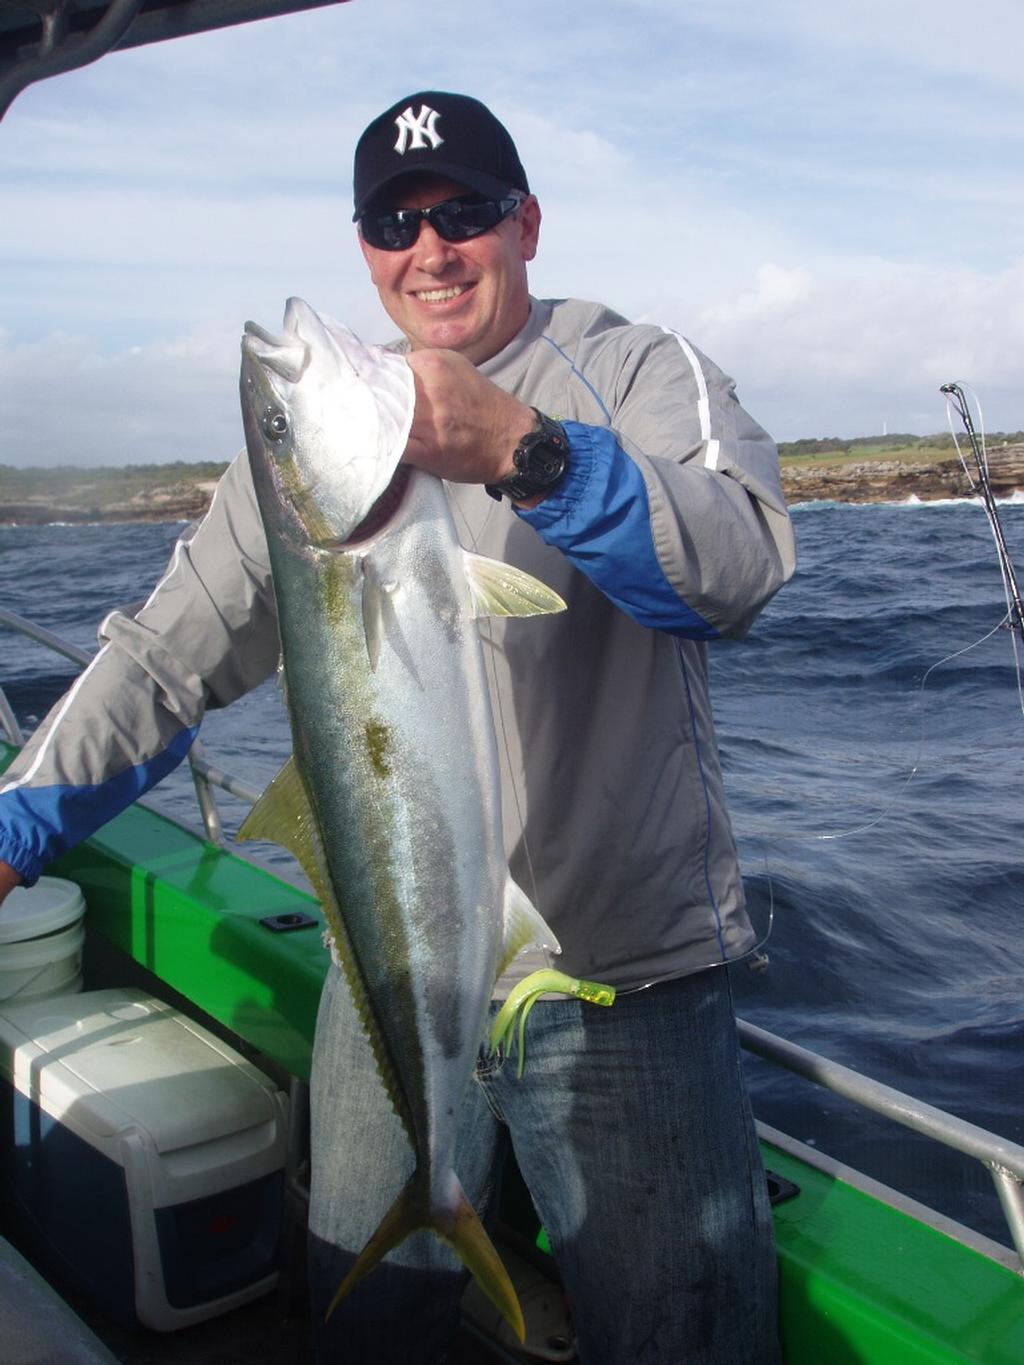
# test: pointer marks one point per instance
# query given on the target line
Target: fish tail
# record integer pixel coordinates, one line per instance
(477, 1253)
(458, 1224)
(402, 1218)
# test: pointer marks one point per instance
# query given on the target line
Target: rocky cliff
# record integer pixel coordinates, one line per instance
(182, 501)
(896, 480)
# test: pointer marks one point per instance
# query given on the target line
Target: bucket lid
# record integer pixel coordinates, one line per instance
(31, 911)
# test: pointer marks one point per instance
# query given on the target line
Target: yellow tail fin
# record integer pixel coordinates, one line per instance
(459, 1225)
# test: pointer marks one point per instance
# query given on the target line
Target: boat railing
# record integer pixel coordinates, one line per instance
(204, 775)
(1003, 1159)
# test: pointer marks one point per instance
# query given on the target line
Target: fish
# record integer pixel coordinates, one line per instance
(391, 797)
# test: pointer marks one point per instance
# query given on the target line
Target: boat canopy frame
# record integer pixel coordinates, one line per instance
(1003, 1158)
(43, 38)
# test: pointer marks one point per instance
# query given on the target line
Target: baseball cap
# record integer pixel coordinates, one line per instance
(449, 135)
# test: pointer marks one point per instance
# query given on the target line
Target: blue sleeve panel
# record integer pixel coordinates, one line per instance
(599, 518)
(37, 824)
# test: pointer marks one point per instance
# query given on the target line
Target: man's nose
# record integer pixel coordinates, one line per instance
(431, 252)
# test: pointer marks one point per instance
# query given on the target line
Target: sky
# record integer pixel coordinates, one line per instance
(826, 199)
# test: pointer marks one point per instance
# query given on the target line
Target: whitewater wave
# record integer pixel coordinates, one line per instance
(913, 502)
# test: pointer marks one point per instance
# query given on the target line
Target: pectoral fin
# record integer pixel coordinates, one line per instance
(380, 620)
(378, 612)
(498, 589)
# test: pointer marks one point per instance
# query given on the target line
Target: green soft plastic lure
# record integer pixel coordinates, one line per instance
(525, 994)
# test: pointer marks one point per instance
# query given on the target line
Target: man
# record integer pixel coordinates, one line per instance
(615, 464)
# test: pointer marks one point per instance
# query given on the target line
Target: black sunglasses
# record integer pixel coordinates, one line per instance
(456, 220)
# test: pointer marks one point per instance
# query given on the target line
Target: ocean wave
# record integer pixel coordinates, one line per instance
(913, 502)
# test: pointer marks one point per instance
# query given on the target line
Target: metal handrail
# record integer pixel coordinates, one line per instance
(204, 775)
(44, 637)
(1003, 1158)
(8, 720)
(217, 777)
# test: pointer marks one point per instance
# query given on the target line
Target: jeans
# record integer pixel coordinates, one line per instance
(633, 1132)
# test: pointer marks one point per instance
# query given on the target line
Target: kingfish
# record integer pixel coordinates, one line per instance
(391, 799)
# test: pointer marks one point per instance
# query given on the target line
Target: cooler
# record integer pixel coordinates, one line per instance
(146, 1154)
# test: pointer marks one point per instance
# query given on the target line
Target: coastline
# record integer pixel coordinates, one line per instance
(890, 479)
(178, 501)
(886, 478)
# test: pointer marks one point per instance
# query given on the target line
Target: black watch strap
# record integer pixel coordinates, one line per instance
(540, 458)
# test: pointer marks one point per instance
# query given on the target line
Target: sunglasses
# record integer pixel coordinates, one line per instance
(456, 220)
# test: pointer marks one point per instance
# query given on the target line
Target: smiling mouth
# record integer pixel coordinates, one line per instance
(441, 295)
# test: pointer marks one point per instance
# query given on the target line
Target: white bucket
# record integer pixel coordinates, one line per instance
(41, 938)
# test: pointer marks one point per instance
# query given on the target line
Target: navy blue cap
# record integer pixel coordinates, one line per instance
(449, 135)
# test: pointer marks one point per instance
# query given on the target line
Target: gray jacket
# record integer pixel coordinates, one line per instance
(668, 530)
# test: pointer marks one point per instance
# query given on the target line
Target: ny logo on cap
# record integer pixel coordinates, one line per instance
(416, 130)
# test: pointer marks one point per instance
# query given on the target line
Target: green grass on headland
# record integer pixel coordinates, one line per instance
(834, 450)
(102, 486)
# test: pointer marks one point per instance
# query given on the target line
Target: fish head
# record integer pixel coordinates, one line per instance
(326, 419)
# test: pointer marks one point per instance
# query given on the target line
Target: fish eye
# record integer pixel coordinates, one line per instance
(275, 424)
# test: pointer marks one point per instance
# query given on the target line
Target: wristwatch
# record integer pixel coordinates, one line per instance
(540, 459)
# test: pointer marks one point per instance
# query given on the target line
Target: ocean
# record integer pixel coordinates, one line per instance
(872, 735)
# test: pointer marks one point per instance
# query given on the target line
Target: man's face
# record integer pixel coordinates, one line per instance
(470, 297)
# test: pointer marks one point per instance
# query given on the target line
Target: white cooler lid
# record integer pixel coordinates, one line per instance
(108, 1060)
(31, 911)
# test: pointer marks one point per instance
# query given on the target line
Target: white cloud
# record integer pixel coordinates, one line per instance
(844, 347)
(71, 404)
(778, 293)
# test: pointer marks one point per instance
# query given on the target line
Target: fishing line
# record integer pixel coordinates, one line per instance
(956, 399)
(1013, 620)
(915, 765)
(489, 655)
(484, 626)
(756, 959)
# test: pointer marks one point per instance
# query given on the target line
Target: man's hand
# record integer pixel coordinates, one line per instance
(9, 879)
(464, 428)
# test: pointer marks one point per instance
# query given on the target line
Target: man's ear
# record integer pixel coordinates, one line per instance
(528, 219)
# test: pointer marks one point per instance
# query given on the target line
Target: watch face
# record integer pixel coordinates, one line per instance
(546, 462)
(540, 459)
(541, 455)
